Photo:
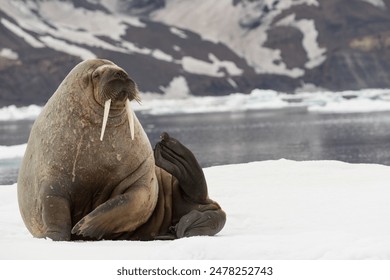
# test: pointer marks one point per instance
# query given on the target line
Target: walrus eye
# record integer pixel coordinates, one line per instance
(95, 75)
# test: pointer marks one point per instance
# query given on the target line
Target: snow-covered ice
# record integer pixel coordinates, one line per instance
(277, 210)
(12, 113)
(177, 99)
(15, 151)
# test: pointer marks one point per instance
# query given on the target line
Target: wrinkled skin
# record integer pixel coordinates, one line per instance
(74, 186)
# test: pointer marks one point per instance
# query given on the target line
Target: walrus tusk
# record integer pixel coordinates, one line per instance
(105, 117)
(130, 115)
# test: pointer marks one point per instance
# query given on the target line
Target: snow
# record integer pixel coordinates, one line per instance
(94, 22)
(204, 17)
(177, 89)
(353, 106)
(63, 27)
(16, 151)
(363, 101)
(24, 16)
(177, 99)
(326, 102)
(65, 47)
(258, 99)
(11, 113)
(279, 209)
(377, 3)
(66, 28)
(213, 68)
(196, 66)
(178, 32)
(21, 33)
(8, 53)
(159, 54)
(132, 48)
(314, 52)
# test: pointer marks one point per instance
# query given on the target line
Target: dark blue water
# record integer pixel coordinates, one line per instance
(229, 138)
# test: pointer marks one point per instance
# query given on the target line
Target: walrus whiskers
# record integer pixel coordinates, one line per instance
(130, 115)
(107, 105)
(71, 187)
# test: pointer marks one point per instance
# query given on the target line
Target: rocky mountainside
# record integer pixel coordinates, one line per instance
(202, 47)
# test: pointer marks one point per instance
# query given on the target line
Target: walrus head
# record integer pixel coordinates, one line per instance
(114, 89)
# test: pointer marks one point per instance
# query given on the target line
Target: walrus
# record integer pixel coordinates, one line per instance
(89, 171)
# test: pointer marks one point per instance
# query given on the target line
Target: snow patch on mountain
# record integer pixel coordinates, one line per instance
(204, 18)
(177, 89)
(22, 34)
(63, 46)
(133, 48)
(213, 68)
(314, 52)
(156, 53)
(24, 15)
(376, 3)
(178, 32)
(8, 53)
(65, 16)
(159, 54)
(225, 42)
(61, 26)
(69, 29)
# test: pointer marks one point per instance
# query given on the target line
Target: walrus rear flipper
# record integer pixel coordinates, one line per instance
(198, 223)
(178, 160)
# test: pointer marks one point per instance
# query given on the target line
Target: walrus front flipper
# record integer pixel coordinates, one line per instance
(198, 223)
(120, 214)
(178, 160)
(56, 217)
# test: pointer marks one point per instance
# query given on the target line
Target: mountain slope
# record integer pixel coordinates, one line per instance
(208, 47)
(330, 43)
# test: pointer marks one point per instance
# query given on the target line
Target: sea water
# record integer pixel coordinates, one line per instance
(218, 138)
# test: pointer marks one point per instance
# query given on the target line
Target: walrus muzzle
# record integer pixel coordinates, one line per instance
(117, 86)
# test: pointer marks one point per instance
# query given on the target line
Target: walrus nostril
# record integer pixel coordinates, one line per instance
(123, 95)
(119, 74)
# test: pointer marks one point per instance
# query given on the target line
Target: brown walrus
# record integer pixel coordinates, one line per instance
(89, 170)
